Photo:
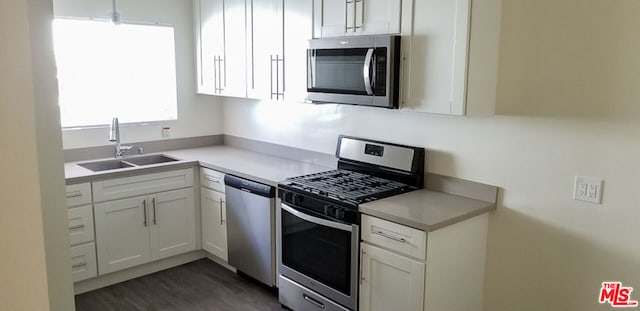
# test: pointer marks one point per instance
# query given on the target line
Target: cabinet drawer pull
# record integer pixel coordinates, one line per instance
(74, 194)
(76, 227)
(217, 181)
(388, 236)
(78, 265)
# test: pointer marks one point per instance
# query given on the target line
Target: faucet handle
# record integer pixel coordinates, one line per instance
(140, 151)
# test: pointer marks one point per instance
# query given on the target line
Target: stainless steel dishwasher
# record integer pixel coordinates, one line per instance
(251, 228)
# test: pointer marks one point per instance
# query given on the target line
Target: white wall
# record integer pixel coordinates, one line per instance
(567, 104)
(197, 115)
(34, 254)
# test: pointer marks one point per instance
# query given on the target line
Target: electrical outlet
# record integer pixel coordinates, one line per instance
(588, 189)
(166, 131)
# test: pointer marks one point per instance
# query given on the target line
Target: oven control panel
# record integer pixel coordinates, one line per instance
(320, 207)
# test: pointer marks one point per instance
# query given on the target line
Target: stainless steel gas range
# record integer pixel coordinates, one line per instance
(320, 225)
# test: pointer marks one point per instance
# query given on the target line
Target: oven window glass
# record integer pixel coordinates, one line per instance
(319, 252)
(338, 71)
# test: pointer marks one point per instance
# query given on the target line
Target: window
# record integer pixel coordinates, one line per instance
(105, 71)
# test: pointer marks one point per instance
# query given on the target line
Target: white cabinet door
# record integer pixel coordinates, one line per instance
(265, 59)
(220, 36)
(377, 16)
(390, 281)
(330, 18)
(232, 66)
(435, 71)
(122, 233)
(172, 223)
(334, 18)
(298, 30)
(214, 224)
(209, 43)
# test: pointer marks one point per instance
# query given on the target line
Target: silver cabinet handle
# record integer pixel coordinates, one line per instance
(75, 194)
(271, 76)
(277, 92)
(362, 252)
(217, 181)
(215, 74)
(355, 15)
(155, 215)
(78, 265)
(388, 236)
(76, 227)
(221, 221)
(313, 301)
(346, 13)
(144, 210)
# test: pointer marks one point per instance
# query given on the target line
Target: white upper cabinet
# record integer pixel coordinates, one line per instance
(298, 30)
(244, 48)
(335, 18)
(445, 68)
(265, 59)
(220, 35)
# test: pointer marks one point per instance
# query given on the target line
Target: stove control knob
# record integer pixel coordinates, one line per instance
(328, 210)
(288, 197)
(339, 213)
(297, 199)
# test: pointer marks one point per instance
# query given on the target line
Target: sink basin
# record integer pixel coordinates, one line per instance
(105, 165)
(150, 159)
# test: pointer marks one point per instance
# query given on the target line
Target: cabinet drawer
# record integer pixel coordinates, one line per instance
(79, 194)
(396, 237)
(212, 179)
(83, 262)
(142, 184)
(80, 224)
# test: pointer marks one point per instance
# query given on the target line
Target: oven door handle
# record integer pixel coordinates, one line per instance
(316, 220)
(365, 72)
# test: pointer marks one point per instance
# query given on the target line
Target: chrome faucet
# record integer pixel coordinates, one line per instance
(114, 136)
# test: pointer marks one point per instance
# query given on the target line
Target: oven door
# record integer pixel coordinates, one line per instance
(321, 255)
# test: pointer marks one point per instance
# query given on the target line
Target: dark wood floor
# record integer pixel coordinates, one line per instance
(200, 285)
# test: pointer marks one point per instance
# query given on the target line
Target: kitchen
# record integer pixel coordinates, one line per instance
(564, 83)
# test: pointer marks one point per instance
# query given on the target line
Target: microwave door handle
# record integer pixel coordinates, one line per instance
(312, 68)
(365, 72)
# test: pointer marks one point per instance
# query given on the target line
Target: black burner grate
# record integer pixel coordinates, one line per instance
(349, 184)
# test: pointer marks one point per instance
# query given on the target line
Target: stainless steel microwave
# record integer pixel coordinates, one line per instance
(363, 70)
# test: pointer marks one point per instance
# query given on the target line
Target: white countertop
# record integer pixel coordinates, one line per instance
(259, 167)
(421, 209)
(426, 210)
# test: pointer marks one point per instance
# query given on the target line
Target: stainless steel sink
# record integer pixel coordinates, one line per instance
(105, 165)
(127, 162)
(149, 159)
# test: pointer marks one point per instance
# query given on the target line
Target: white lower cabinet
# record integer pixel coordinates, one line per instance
(390, 281)
(83, 262)
(214, 213)
(137, 230)
(404, 268)
(214, 224)
(81, 234)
